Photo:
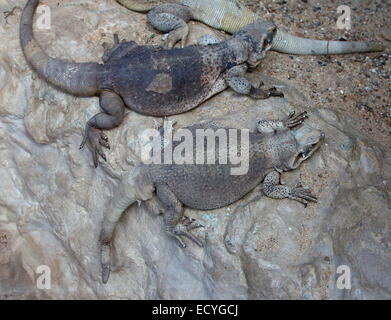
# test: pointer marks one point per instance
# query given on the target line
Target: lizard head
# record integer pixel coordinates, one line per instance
(258, 36)
(289, 148)
(308, 140)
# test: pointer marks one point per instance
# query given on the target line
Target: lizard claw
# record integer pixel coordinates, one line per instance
(104, 141)
(105, 273)
(258, 93)
(180, 34)
(302, 195)
(188, 222)
(273, 92)
(293, 121)
(97, 139)
(183, 228)
(105, 262)
(116, 38)
(169, 42)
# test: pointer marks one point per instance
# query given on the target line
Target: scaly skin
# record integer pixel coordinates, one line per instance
(274, 148)
(231, 15)
(143, 5)
(156, 81)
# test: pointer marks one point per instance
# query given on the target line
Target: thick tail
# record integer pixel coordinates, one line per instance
(286, 43)
(135, 186)
(142, 5)
(231, 15)
(75, 78)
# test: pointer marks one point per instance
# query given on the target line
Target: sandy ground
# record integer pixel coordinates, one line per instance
(357, 84)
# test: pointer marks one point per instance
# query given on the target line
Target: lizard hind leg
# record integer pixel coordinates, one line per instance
(177, 225)
(113, 113)
(171, 18)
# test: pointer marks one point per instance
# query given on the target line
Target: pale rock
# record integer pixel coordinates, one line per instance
(52, 200)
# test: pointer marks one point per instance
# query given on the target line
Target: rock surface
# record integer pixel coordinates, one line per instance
(52, 200)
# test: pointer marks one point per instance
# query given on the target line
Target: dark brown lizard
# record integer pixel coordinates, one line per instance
(151, 80)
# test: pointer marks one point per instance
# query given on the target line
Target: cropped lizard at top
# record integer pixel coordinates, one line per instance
(151, 80)
(272, 149)
(231, 15)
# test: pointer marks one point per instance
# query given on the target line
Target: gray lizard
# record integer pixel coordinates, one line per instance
(272, 149)
(151, 80)
(231, 15)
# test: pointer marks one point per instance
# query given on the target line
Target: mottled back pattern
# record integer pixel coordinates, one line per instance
(158, 81)
(210, 186)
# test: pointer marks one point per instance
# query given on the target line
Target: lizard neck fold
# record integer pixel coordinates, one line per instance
(237, 51)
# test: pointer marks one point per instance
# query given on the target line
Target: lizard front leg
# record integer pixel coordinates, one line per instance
(273, 189)
(118, 50)
(236, 81)
(270, 126)
(177, 225)
(171, 18)
(113, 113)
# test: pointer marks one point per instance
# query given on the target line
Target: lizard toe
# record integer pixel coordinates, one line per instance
(105, 273)
(183, 228)
(303, 194)
(273, 92)
(96, 139)
(104, 141)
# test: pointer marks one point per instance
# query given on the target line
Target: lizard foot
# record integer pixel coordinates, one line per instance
(302, 195)
(183, 228)
(273, 92)
(258, 93)
(180, 34)
(293, 121)
(97, 139)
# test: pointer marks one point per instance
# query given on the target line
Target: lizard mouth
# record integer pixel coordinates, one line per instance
(307, 151)
(266, 45)
(261, 50)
